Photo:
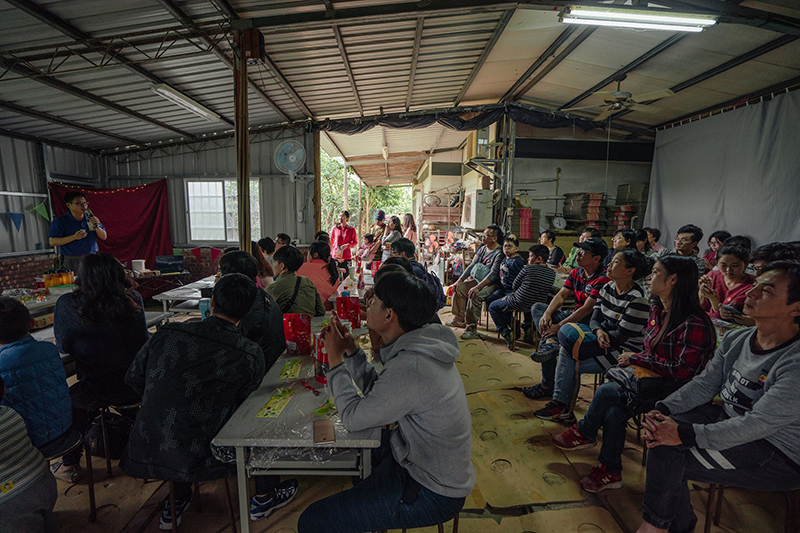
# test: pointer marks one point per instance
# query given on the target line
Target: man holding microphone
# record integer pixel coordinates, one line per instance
(77, 231)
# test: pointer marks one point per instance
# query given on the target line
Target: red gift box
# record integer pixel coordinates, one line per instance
(321, 359)
(297, 330)
(348, 308)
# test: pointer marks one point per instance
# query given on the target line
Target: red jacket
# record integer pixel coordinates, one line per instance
(343, 237)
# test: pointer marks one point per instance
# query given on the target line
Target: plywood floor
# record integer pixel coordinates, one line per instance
(523, 483)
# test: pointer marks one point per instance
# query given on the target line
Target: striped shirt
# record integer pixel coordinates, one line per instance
(532, 285)
(622, 316)
(20, 463)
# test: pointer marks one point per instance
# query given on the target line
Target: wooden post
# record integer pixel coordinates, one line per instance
(242, 137)
(317, 184)
(345, 188)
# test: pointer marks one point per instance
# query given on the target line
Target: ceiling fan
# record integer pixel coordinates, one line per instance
(620, 100)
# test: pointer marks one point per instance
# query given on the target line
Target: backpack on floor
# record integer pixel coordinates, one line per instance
(118, 429)
(436, 286)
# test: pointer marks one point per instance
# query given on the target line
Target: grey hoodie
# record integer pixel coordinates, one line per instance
(420, 388)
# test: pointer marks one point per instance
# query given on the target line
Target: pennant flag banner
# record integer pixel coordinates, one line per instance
(41, 209)
(196, 252)
(215, 253)
(16, 218)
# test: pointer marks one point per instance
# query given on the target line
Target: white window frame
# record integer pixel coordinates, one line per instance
(226, 229)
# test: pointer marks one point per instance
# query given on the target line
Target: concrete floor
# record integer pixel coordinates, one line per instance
(524, 484)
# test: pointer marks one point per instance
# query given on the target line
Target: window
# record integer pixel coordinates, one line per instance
(213, 213)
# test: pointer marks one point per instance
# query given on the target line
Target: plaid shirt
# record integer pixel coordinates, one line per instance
(682, 353)
(583, 287)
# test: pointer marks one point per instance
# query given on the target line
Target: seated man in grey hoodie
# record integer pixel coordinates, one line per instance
(752, 440)
(423, 471)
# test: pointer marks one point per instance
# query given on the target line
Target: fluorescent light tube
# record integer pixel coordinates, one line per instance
(638, 25)
(636, 18)
(180, 99)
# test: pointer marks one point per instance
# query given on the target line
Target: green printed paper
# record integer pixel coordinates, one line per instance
(291, 369)
(326, 410)
(276, 404)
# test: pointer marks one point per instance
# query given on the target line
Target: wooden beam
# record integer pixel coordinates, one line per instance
(414, 59)
(242, 144)
(346, 61)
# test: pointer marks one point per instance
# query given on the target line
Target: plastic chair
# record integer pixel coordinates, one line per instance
(66, 443)
(716, 494)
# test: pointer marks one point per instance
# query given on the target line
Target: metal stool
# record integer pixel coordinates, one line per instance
(66, 443)
(440, 526)
(104, 410)
(198, 504)
(792, 505)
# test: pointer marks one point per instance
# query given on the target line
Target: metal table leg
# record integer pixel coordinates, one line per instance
(165, 305)
(366, 462)
(244, 498)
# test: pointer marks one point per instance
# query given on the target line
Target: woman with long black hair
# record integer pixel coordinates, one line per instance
(102, 325)
(678, 342)
(322, 270)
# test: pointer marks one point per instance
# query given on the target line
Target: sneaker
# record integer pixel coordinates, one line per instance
(508, 335)
(455, 324)
(537, 392)
(70, 474)
(567, 418)
(572, 439)
(280, 497)
(551, 410)
(546, 352)
(600, 479)
(165, 522)
(470, 334)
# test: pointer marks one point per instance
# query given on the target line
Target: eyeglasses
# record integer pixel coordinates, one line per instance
(81, 204)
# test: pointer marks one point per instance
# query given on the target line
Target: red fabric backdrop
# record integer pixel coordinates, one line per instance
(136, 218)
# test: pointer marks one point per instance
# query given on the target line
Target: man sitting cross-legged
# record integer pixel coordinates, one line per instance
(192, 376)
(752, 440)
(584, 283)
(424, 466)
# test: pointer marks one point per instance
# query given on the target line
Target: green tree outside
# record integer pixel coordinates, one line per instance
(392, 200)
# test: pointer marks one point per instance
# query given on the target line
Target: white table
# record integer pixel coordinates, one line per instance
(184, 299)
(292, 429)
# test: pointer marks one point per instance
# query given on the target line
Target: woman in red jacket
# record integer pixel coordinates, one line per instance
(343, 238)
(678, 342)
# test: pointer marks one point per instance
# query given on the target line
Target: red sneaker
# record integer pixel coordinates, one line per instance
(572, 439)
(599, 479)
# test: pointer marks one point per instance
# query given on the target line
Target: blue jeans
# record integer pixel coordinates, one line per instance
(387, 499)
(593, 360)
(610, 411)
(549, 367)
(754, 465)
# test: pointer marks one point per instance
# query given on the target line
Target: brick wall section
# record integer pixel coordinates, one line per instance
(203, 268)
(20, 271)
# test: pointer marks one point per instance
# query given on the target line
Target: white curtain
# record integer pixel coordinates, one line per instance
(738, 171)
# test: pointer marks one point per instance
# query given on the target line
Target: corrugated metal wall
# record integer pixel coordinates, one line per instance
(280, 201)
(21, 171)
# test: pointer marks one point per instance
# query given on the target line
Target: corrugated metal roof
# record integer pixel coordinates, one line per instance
(453, 55)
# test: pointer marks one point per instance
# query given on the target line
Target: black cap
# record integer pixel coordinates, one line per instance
(594, 245)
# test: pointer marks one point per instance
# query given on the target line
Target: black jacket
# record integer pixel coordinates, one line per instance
(103, 351)
(263, 325)
(193, 376)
